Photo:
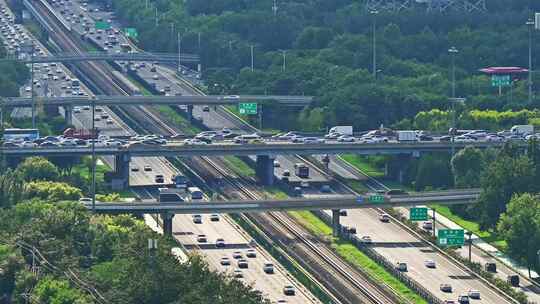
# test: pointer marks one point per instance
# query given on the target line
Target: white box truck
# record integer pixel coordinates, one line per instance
(522, 130)
(406, 136)
(343, 130)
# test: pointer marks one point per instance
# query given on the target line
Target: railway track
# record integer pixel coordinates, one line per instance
(347, 283)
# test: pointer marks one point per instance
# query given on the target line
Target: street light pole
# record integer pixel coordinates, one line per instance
(374, 34)
(530, 24)
(179, 52)
(453, 51)
(32, 86)
(94, 138)
(469, 234)
(283, 67)
(252, 46)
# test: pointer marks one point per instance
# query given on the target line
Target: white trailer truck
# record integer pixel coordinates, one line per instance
(406, 136)
(522, 130)
(342, 130)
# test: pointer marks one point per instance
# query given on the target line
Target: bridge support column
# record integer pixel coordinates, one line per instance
(120, 178)
(190, 112)
(264, 168)
(68, 113)
(336, 226)
(167, 223)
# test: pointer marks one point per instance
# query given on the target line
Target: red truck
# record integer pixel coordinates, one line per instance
(81, 133)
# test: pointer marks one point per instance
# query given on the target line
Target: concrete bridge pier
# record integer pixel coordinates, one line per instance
(68, 113)
(264, 169)
(167, 223)
(336, 226)
(119, 179)
(190, 112)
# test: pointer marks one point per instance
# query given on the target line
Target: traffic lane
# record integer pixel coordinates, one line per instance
(158, 166)
(272, 285)
(114, 129)
(479, 256)
(288, 162)
(397, 245)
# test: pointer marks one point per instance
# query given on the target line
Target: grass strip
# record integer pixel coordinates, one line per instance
(487, 236)
(362, 164)
(238, 166)
(354, 256)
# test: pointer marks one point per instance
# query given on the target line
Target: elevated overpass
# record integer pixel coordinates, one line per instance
(67, 57)
(334, 203)
(265, 153)
(103, 100)
(69, 102)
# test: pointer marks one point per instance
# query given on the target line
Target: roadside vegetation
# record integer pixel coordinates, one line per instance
(109, 254)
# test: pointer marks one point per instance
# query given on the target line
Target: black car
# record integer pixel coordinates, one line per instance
(424, 137)
(445, 138)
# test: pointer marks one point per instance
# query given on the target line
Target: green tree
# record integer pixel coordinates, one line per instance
(507, 175)
(467, 166)
(11, 188)
(55, 291)
(434, 172)
(520, 228)
(37, 168)
(51, 191)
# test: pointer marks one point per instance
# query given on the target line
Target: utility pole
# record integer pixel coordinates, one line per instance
(530, 24)
(156, 16)
(374, 42)
(252, 46)
(199, 42)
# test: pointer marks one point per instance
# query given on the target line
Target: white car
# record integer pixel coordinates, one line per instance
(231, 97)
(345, 138)
(366, 239)
(463, 138)
(430, 264)
(313, 140)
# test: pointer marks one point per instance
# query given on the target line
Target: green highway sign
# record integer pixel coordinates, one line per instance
(418, 214)
(500, 80)
(451, 237)
(247, 108)
(131, 32)
(101, 25)
(377, 198)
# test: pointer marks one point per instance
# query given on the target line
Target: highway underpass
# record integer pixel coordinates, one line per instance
(265, 152)
(334, 203)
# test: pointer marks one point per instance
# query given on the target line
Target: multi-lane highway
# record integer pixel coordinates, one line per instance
(276, 292)
(402, 240)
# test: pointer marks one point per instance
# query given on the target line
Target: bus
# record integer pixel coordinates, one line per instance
(180, 181)
(301, 170)
(195, 192)
(20, 134)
